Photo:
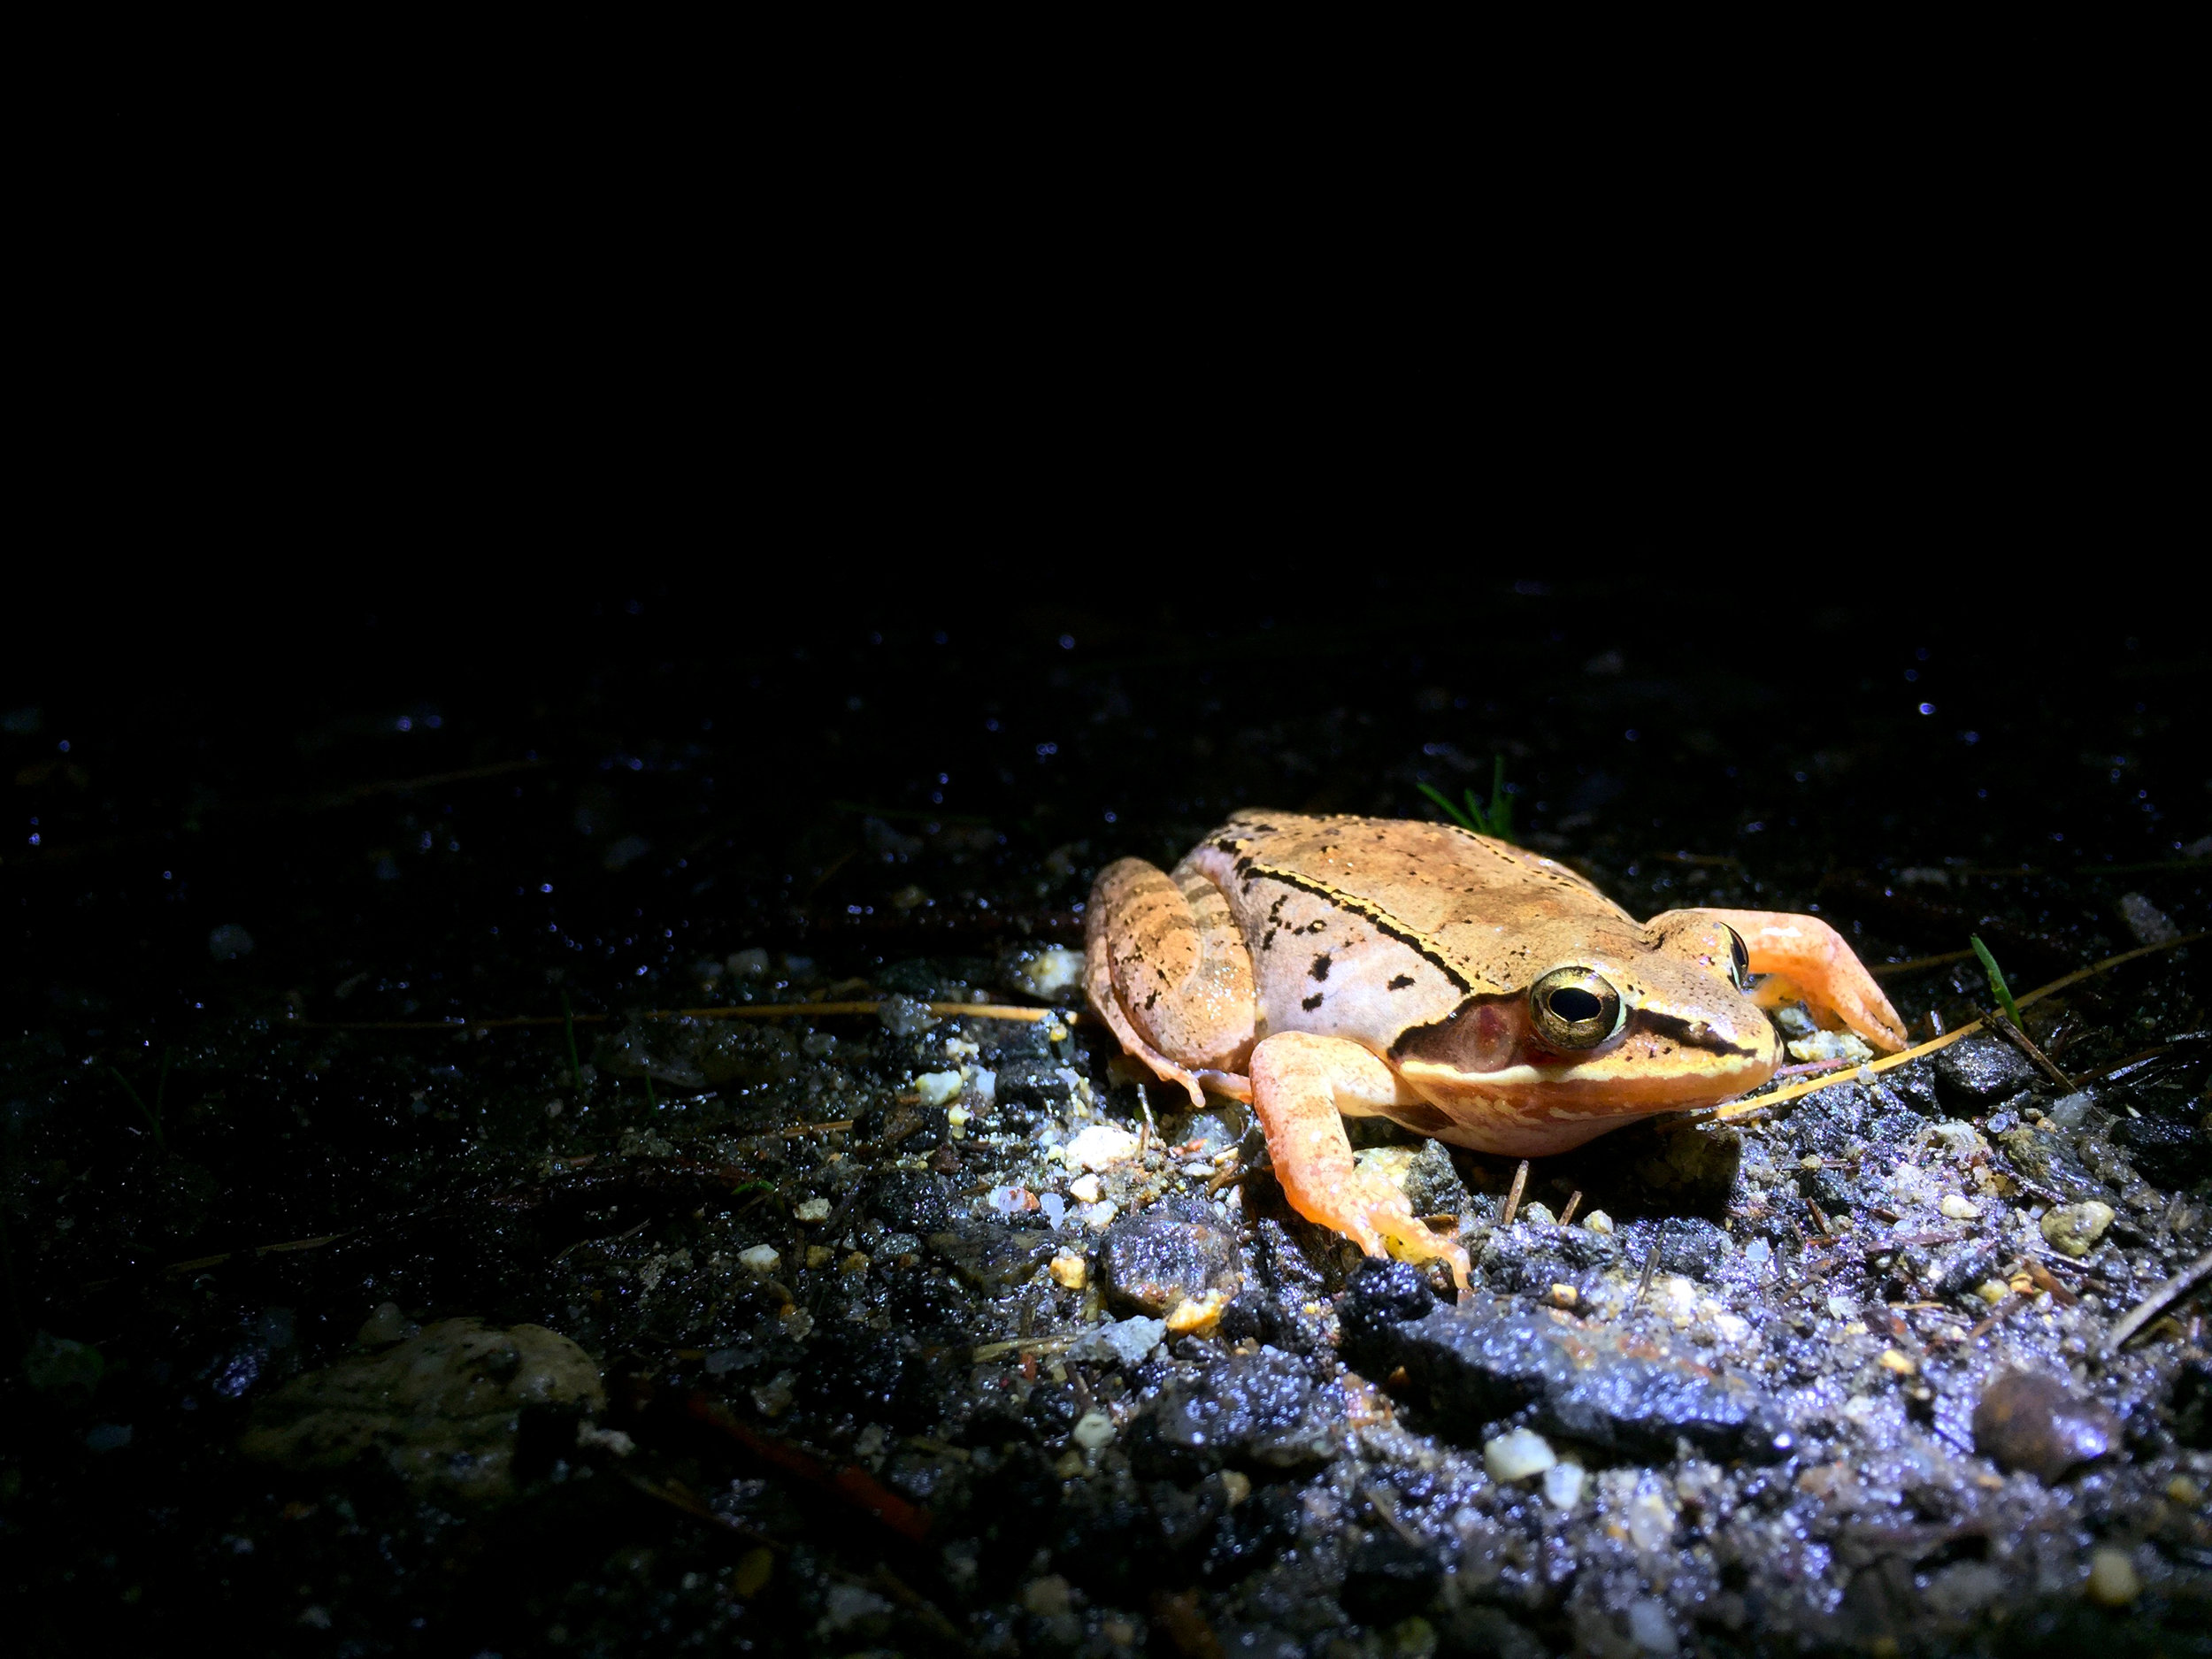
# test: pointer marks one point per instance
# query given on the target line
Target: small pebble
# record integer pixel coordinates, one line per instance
(2026, 1420)
(1050, 971)
(1958, 1208)
(1537, 1215)
(1893, 1361)
(1091, 1431)
(761, 1259)
(1100, 1146)
(1046, 1597)
(2113, 1580)
(1517, 1455)
(1563, 1485)
(937, 1088)
(1083, 1189)
(1992, 1291)
(1649, 1624)
(2075, 1228)
(1070, 1271)
(1196, 1317)
(813, 1209)
(1562, 1295)
(1100, 1215)
(1598, 1221)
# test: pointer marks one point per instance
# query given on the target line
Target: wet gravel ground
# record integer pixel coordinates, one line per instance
(569, 1327)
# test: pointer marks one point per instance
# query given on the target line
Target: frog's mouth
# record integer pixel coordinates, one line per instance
(1507, 1092)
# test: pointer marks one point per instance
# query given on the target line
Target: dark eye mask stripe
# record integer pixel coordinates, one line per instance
(1677, 1030)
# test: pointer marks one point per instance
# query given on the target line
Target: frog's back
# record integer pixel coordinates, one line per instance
(1355, 922)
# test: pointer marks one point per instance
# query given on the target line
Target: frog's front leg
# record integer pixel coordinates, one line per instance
(1302, 1085)
(1167, 970)
(1815, 961)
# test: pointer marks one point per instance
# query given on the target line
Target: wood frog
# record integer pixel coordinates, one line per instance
(1464, 987)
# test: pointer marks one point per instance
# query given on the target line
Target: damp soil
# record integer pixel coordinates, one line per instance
(389, 1272)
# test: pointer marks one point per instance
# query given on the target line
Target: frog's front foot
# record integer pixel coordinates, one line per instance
(1812, 960)
(1300, 1086)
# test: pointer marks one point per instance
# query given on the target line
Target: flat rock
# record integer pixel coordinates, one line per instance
(1151, 1261)
(1260, 1411)
(443, 1408)
(1590, 1383)
(1981, 1070)
(2025, 1420)
(912, 1201)
(991, 1257)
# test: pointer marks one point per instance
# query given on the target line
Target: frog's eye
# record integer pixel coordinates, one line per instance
(1739, 958)
(1572, 1008)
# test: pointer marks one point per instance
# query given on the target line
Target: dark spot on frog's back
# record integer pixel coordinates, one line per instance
(1311, 1003)
(1320, 969)
(1401, 982)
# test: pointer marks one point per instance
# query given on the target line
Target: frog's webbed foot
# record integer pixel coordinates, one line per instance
(1298, 1083)
(1816, 963)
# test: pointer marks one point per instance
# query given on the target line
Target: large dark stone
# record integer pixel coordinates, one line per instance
(1589, 1383)
(1976, 1073)
(912, 1201)
(1150, 1261)
(1028, 1089)
(2049, 1161)
(2025, 1420)
(1260, 1411)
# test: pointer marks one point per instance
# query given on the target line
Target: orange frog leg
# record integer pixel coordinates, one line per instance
(1812, 960)
(1301, 1085)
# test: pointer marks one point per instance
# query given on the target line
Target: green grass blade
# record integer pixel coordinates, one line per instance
(1996, 979)
(137, 1100)
(568, 1030)
(1445, 801)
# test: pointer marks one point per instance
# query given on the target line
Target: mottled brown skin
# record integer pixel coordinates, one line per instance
(1328, 966)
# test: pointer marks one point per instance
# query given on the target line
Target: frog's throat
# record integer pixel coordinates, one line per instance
(1521, 1112)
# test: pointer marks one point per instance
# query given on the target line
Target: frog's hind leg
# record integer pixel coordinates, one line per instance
(1301, 1085)
(1817, 962)
(1167, 970)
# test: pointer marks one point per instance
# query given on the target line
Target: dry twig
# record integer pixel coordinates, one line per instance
(2144, 1311)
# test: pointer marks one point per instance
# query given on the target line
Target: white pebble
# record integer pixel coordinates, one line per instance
(1958, 1208)
(1084, 1187)
(1731, 1327)
(1050, 973)
(813, 1209)
(1517, 1455)
(937, 1088)
(1563, 1485)
(1091, 1431)
(1598, 1221)
(1652, 1626)
(1099, 1146)
(1100, 1215)
(761, 1259)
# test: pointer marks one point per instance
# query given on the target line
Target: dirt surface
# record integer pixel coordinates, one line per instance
(568, 1327)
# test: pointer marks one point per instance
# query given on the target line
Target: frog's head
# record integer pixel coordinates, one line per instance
(1636, 1020)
